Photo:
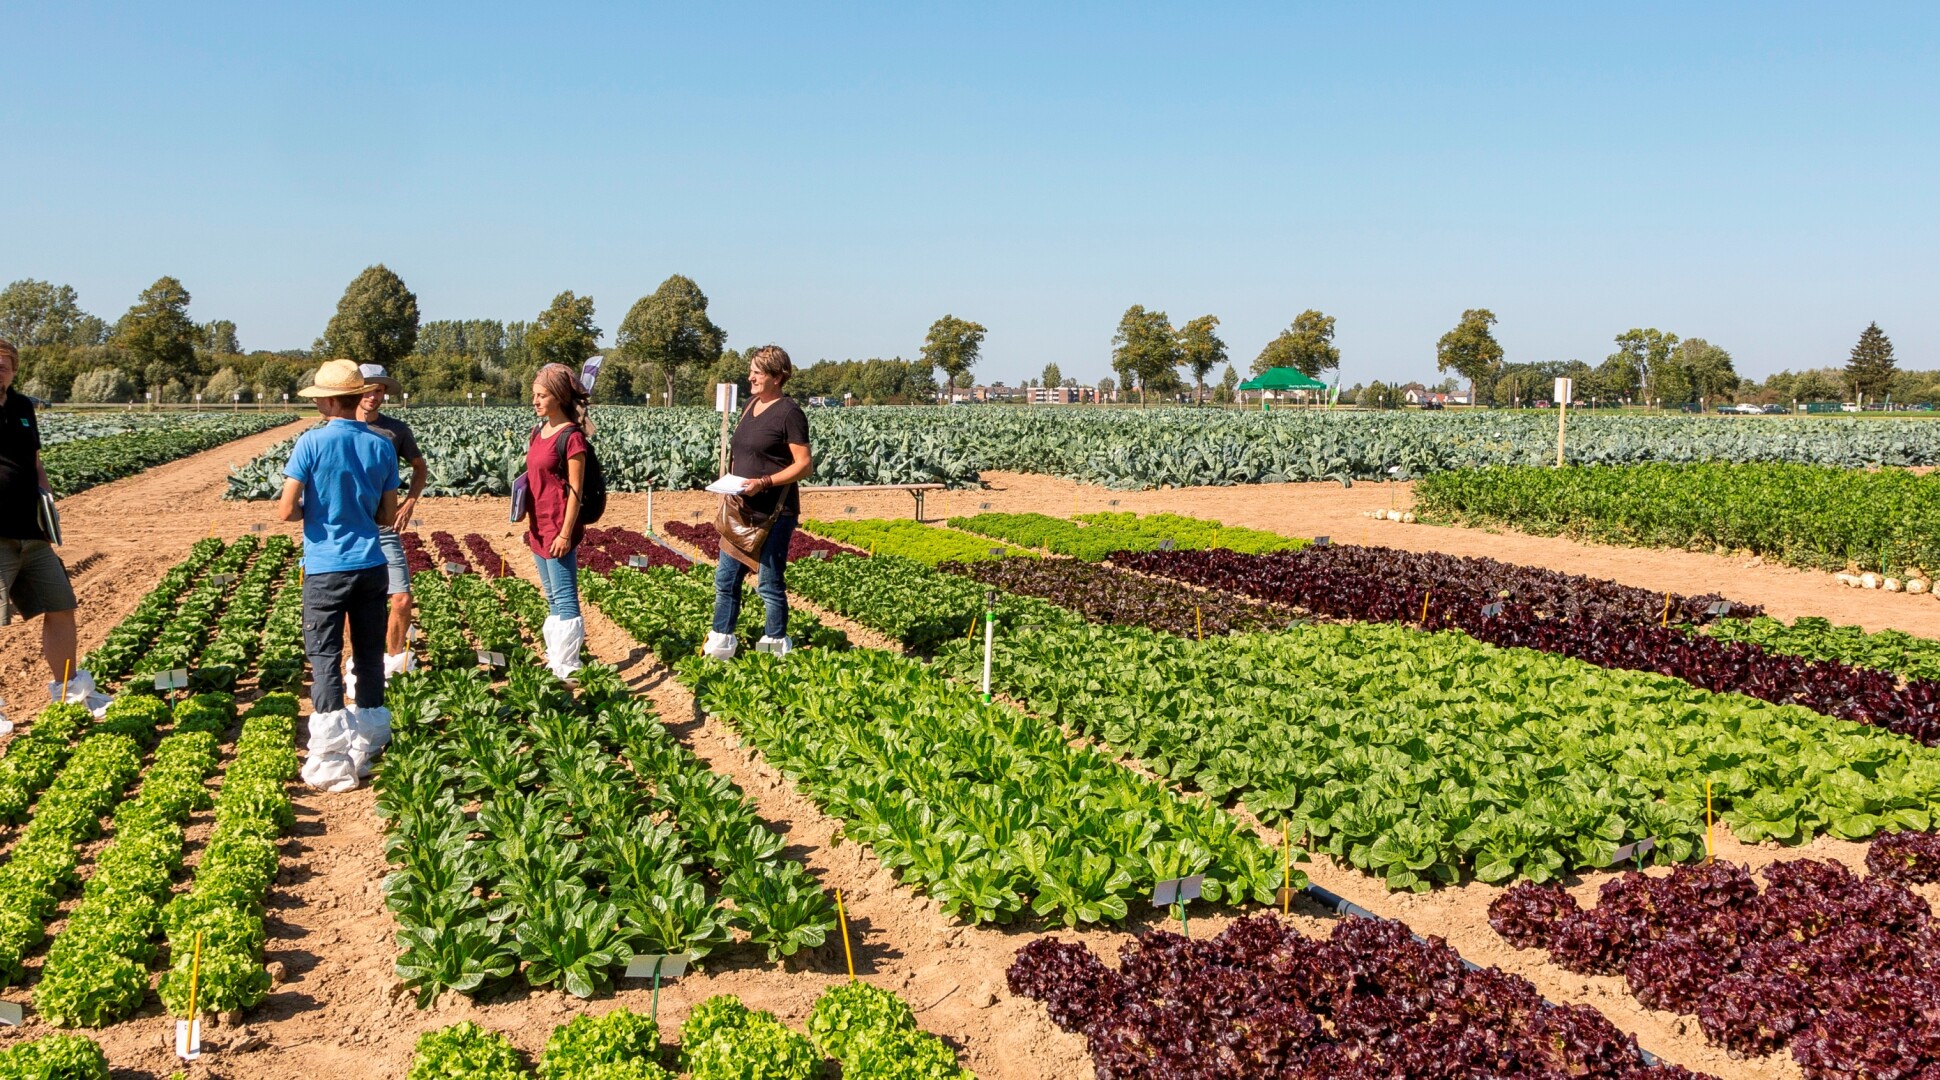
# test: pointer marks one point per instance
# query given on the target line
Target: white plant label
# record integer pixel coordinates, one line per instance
(726, 396)
(456, 568)
(1564, 388)
(671, 966)
(1114, 502)
(1177, 890)
(1722, 607)
(188, 1039)
(221, 580)
(11, 1014)
(848, 509)
(637, 561)
(1323, 541)
(417, 522)
(258, 527)
(1634, 851)
(1165, 544)
(1492, 610)
(491, 659)
(172, 680)
(998, 552)
(983, 506)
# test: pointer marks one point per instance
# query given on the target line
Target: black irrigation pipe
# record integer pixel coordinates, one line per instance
(1340, 905)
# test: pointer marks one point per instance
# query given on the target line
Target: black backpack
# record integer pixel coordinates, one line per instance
(592, 501)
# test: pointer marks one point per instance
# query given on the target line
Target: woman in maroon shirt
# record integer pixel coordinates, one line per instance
(555, 475)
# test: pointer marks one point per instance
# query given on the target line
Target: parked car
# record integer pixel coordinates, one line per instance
(1775, 410)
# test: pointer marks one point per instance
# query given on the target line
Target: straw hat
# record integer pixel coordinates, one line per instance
(338, 378)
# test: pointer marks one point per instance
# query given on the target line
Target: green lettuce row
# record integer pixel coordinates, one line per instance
(670, 611)
(1814, 516)
(873, 1034)
(129, 641)
(465, 1051)
(1426, 757)
(97, 969)
(239, 631)
(280, 659)
(54, 1057)
(35, 755)
(182, 638)
(441, 628)
(987, 810)
(928, 544)
(40, 870)
(723, 1039)
(1895, 651)
(492, 626)
(1093, 537)
(224, 903)
(525, 603)
(918, 607)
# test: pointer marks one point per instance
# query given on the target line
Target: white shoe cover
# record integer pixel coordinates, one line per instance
(80, 691)
(370, 733)
(718, 646)
(780, 646)
(396, 663)
(563, 640)
(330, 766)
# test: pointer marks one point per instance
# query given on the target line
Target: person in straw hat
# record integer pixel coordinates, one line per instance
(340, 482)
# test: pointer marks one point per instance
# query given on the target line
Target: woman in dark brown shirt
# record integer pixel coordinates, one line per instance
(770, 448)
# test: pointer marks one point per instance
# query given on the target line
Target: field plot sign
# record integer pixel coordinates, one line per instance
(11, 1013)
(177, 679)
(1564, 388)
(491, 659)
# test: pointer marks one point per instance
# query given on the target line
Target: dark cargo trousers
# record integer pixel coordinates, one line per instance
(362, 596)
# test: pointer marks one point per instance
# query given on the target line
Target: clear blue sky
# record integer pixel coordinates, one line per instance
(835, 177)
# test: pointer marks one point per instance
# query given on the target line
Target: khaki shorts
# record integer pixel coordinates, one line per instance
(33, 580)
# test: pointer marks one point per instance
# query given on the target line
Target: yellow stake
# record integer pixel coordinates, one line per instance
(1199, 620)
(1424, 608)
(67, 673)
(1666, 622)
(195, 976)
(844, 920)
(1708, 856)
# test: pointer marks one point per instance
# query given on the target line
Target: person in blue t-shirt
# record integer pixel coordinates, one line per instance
(341, 481)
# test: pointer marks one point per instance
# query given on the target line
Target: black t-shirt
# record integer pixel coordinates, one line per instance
(760, 448)
(19, 480)
(400, 435)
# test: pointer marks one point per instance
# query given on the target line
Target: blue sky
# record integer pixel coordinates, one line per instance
(836, 177)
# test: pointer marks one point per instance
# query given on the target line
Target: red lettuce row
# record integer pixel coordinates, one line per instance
(448, 550)
(1908, 857)
(1107, 595)
(1599, 622)
(802, 545)
(416, 559)
(1843, 970)
(485, 558)
(1261, 1000)
(604, 549)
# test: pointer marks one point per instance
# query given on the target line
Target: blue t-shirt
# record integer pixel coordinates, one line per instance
(345, 468)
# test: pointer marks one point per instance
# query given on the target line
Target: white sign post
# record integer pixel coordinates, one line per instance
(1564, 386)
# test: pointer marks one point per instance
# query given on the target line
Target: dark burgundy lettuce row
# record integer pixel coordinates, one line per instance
(1263, 1001)
(603, 549)
(1599, 622)
(486, 558)
(1105, 594)
(1845, 971)
(448, 551)
(800, 546)
(1911, 857)
(416, 558)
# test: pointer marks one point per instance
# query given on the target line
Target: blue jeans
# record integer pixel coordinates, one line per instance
(774, 591)
(560, 579)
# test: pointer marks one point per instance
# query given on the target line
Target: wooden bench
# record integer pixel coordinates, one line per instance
(916, 490)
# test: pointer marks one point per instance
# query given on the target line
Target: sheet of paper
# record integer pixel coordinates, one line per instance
(728, 485)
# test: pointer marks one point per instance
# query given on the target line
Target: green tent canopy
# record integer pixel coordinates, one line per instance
(1282, 378)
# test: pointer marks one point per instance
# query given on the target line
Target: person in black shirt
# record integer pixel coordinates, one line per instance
(770, 448)
(33, 581)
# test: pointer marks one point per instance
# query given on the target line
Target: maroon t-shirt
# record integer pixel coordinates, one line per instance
(545, 477)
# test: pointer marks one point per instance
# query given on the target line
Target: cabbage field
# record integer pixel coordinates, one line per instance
(478, 451)
(80, 450)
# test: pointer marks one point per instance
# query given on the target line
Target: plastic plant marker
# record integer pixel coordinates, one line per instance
(258, 527)
(1286, 883)
(11, 1014)
(1114, 502)
(1492, 610)
(1424, 607)
(67, 675)
(1666, 620)
(1199, 621)
(455, 568)
(188, 1033)
(842, 917)
(1323, 541)
(983, 506)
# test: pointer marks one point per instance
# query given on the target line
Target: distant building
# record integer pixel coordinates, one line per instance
(1064, 395)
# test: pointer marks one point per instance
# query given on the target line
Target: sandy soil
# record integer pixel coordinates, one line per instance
(339, 1011)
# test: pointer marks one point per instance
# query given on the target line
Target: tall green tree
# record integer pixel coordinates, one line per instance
(1470, 349)
(376, 320)
(562, 334)
(1201, 349)
(41, 313)
(1229, 383)
(1307, 345)
(1052, 376)
(1706, 369)
(1616, 378)
(952, 347)
(218, 338)
(1649, 351)
(1871, 365)
(1145, 350)
(669, 332)
(159, 332)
